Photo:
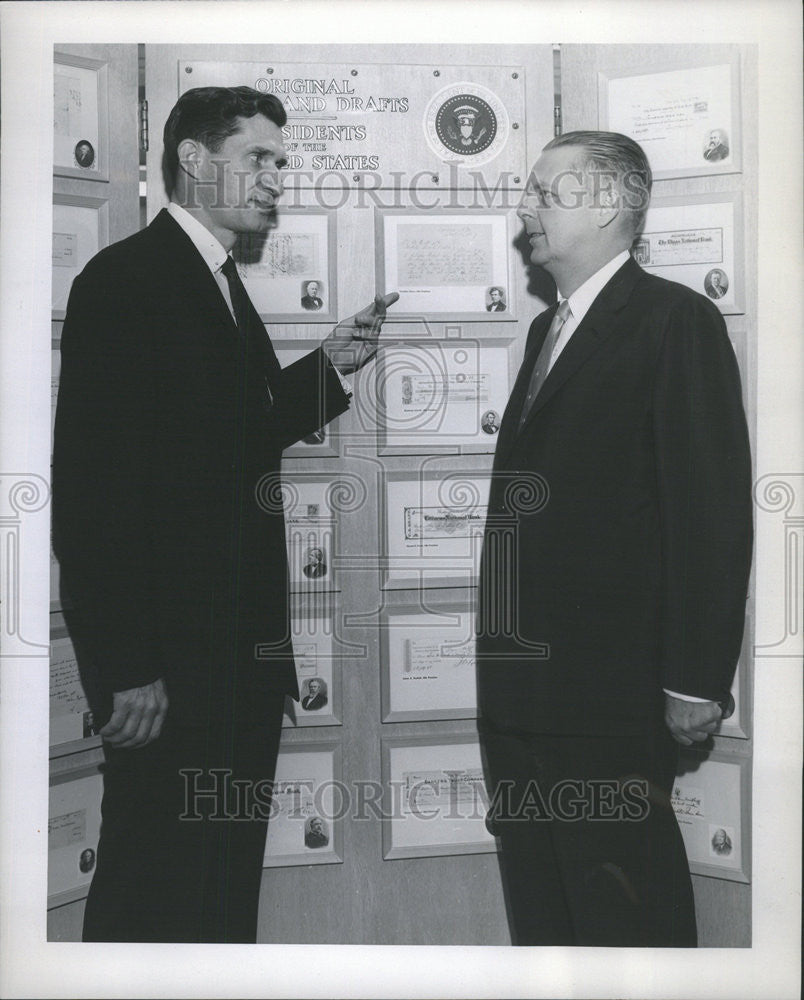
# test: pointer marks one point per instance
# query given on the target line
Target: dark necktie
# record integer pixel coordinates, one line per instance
(251, 339)
(542, 366)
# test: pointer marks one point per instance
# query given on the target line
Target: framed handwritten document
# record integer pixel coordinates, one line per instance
(446, 262)
(428, 663)
(73, 831)
(432, 526)
(687, 119)
(697, 241)
(80, 118)
(712, 802)
(80, 230)
(71, 721)
(436, 797)
(318, 665)
(304, 826)
(290, 272)
(446, 395)
(311, 529)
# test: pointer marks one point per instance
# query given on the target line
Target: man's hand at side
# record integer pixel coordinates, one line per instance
(137, 716)
(691, 721)
(354, 341)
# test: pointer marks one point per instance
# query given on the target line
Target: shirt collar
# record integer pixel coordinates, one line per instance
(583, 297)
(210, 248)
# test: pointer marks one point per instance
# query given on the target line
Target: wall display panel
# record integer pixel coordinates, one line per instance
(318, 667)
(73, 832)
(71, 721)
(432, 527)
(436, 797)
(686, 118)
(304, 826)
(452, 263)
(446, 395)
(388, 125)
(290, 271)
(80, 230)
(324, 441)
(697, 241)
(428, 663)
(80, 118)
(712, 802)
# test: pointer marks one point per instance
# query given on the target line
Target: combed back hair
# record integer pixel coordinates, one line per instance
(210, 115)
(618, 159)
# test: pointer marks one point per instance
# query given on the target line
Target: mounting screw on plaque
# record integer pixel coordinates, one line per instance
(188, 69)
(436, 72)
(435, 178)
(354, 72)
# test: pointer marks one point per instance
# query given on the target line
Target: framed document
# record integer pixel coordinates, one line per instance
(447, 395)
(318, 668)
(712, 802)
(290, 272)
(697, 241)
(436, 797)
(310, 525)
(73, 831)
(446, 262)
(71, 721)
(324, 440)
(432, 527)
(80, 230)
(304, 827)
(428, 663)
(80, 118)
(687, 119)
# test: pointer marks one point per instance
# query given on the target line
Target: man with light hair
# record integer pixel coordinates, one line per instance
(611, 609)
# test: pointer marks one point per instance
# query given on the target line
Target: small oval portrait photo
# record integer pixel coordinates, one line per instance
(311, 295)
(86, 862)
(314, 694)
(716, 145)
(315, 832)
(490, 422)
(721, 842)
(716, 283)
(84, 153)
(495, 299)
(315, 563)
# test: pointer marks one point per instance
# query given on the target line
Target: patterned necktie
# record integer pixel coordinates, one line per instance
(250, 338)
(542, 366)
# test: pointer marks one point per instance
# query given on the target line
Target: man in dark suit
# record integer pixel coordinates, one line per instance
(615, 566)
(172, 416)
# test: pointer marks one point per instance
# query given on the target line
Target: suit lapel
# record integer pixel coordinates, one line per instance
(182, 257)
(510, 422)
(183, 260)
(597, 326)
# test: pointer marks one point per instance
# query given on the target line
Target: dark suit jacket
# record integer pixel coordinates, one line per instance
(631, 555)
(311, 302)
(163, 443)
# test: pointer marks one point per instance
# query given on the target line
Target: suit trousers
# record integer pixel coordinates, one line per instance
(591, 850)
(184, 821)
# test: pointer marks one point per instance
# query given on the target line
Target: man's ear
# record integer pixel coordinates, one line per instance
(189, 154)
(609, 208)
